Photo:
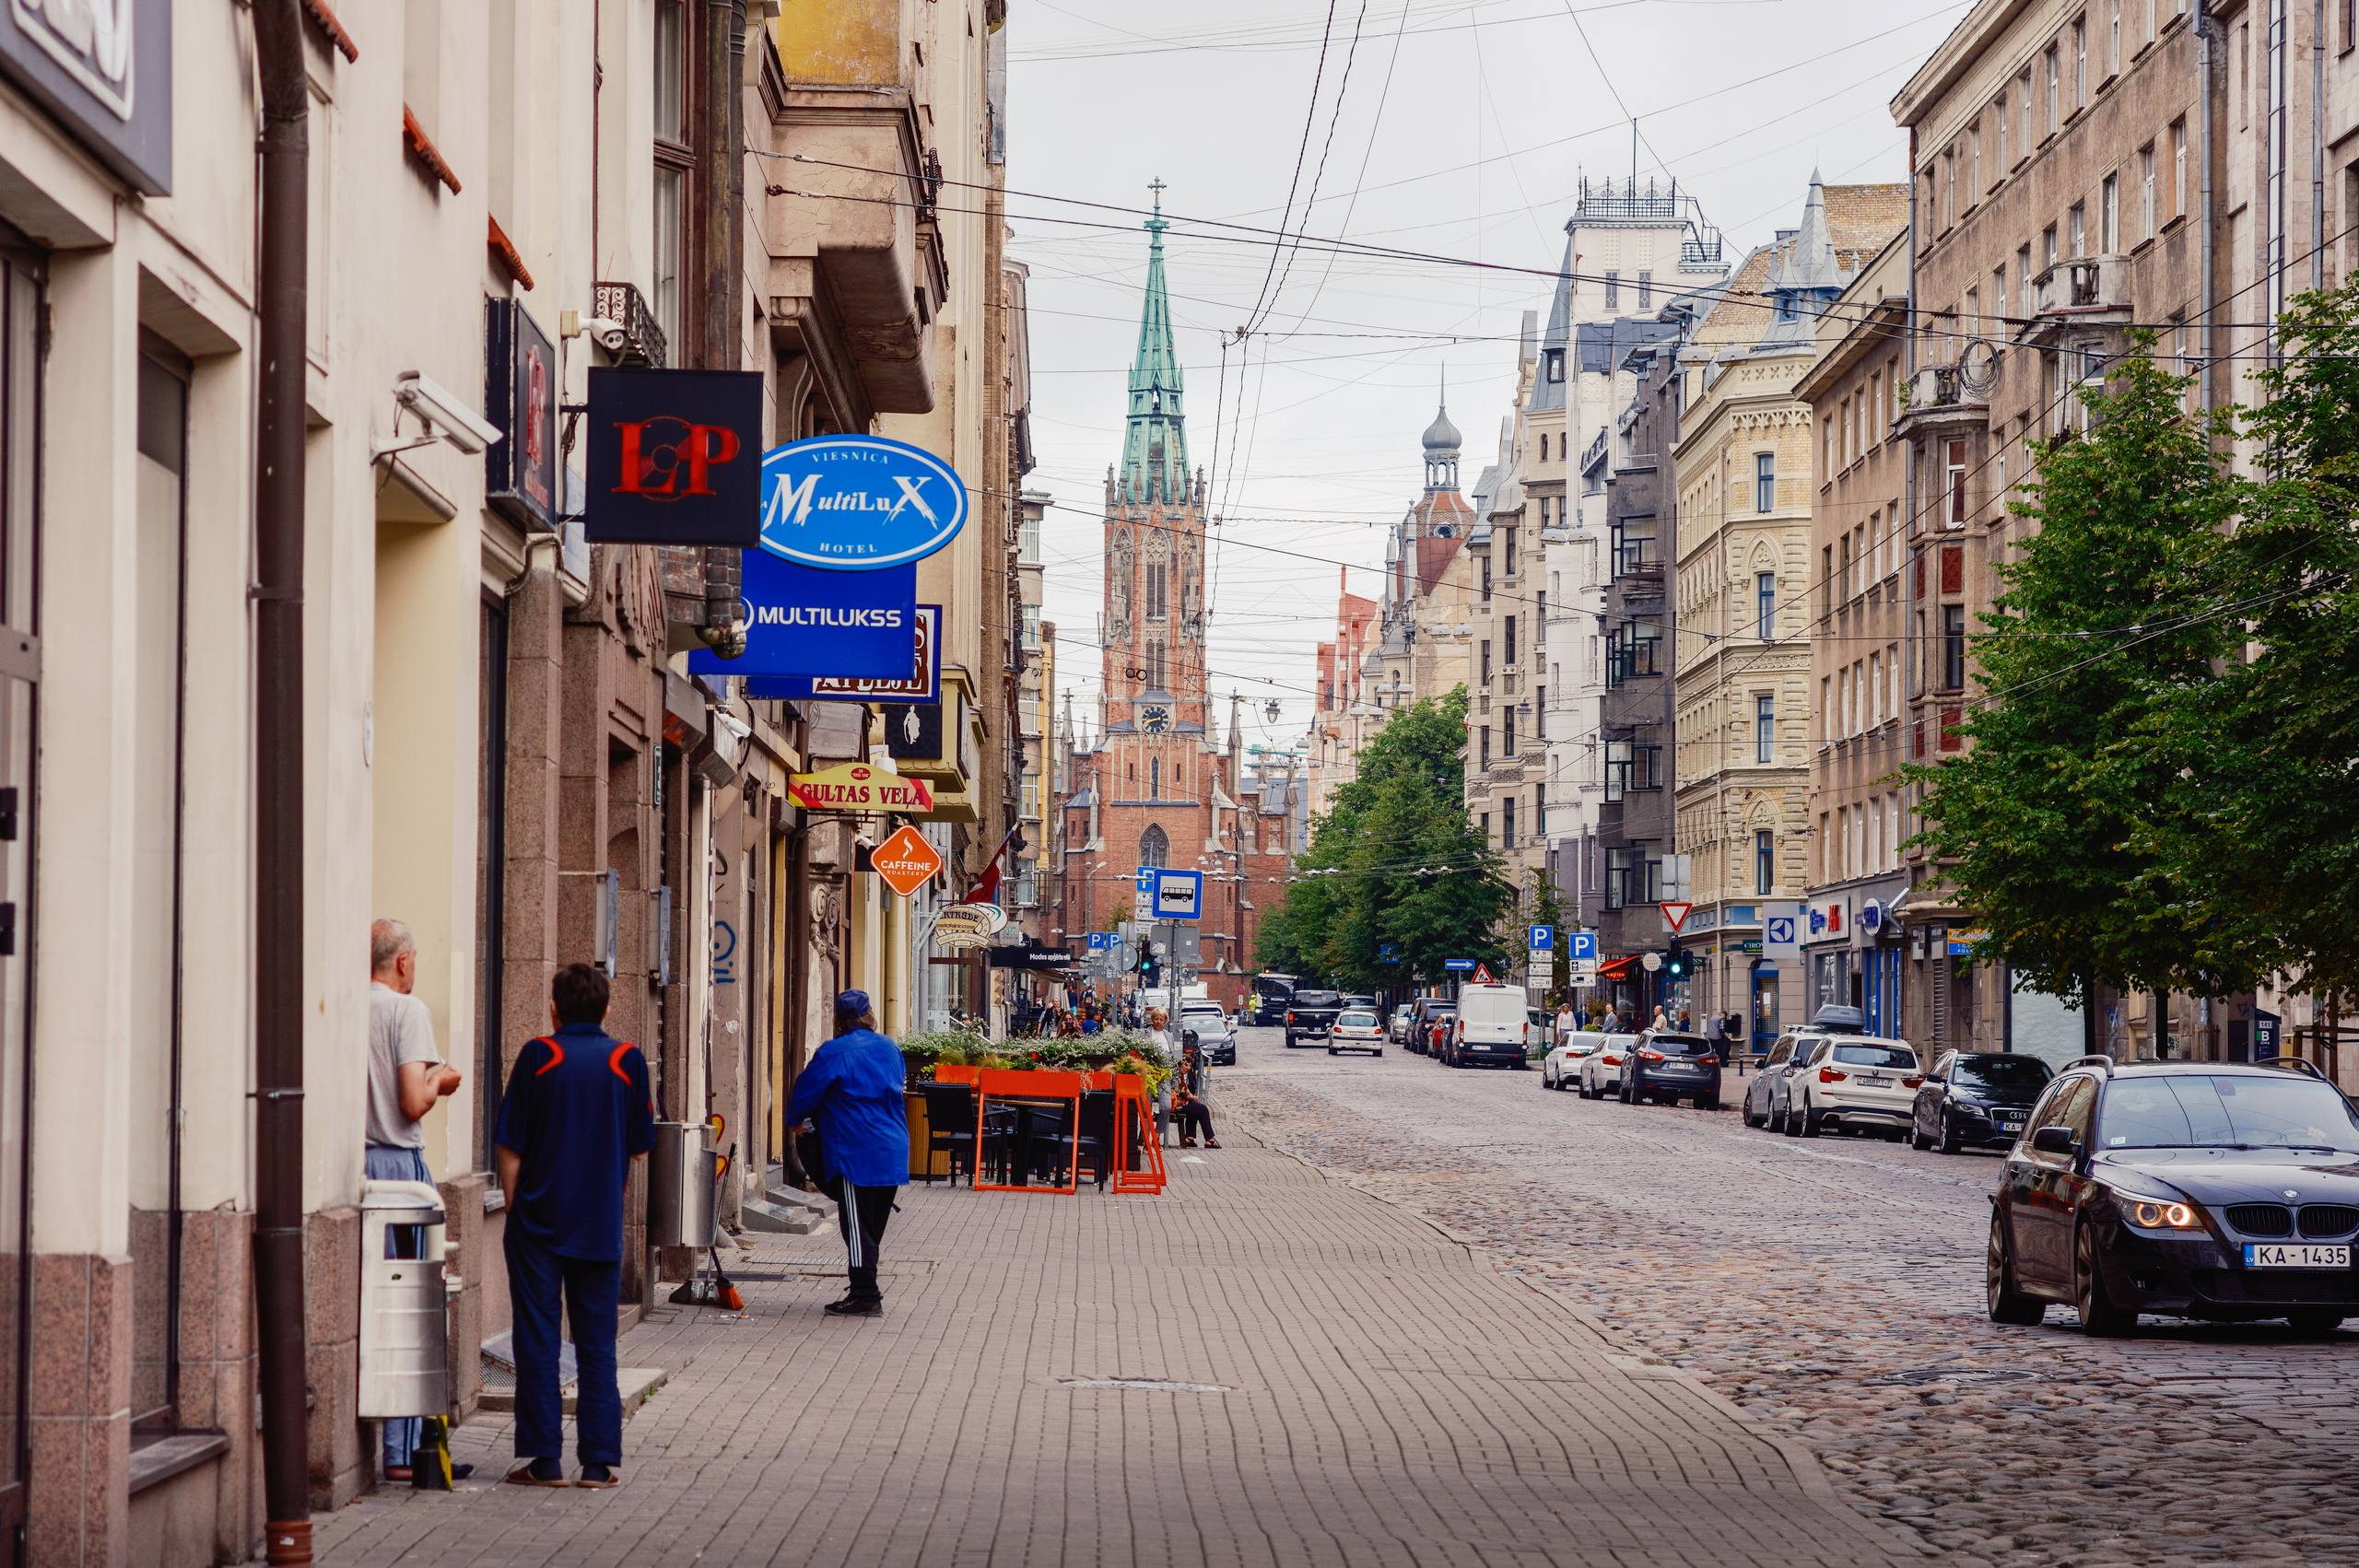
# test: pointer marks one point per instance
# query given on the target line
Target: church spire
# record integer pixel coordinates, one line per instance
(1154, 448)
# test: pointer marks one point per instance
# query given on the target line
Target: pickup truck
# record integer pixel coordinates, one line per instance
(1310, 1015)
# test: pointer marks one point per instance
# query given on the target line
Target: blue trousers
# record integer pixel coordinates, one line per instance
(384, 1162)
(537, 1277)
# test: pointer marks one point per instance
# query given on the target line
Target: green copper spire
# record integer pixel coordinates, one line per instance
(1154, 448)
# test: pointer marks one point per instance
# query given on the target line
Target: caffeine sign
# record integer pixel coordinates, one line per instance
(857, 787)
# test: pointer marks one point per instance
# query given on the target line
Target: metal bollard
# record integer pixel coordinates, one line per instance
(404, 1317)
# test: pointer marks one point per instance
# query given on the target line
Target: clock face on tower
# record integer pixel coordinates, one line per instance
(1154, 719)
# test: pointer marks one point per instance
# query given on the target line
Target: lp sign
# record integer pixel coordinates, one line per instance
(856, 503)
(672, 457)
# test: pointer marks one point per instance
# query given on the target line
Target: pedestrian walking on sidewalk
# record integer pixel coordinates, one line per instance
(855, 1087)
(406, 1075)
(578, 1111)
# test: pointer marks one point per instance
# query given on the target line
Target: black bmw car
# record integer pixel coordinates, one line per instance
(2198, 1190)
(1976, 1097)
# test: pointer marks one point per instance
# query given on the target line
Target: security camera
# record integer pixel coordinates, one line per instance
(609, 333)
(452, 420)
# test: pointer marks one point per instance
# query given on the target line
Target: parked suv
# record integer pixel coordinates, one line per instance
(1427, 1014)
(1666, 1068)
(1310, 1015)
(2198, 1189)
(1853, 1083)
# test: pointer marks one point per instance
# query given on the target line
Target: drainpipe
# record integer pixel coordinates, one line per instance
(279, 936)
(2203, 24)
(2318, 146)
(724, 277)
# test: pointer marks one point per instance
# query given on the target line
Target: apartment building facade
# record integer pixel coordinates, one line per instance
(1741, 576)
(2074, 179)
(1852, 951)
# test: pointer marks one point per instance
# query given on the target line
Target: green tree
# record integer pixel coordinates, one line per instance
(1395, 863)
(2257, 766)
(2111, 612)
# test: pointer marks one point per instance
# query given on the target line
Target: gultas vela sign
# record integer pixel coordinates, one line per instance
(857, 787)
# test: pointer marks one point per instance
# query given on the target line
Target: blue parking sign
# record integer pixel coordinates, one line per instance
(1584, 945)
(1543, 939)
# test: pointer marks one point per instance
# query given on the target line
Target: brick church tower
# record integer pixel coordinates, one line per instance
(1151, 788)
(1153, 753)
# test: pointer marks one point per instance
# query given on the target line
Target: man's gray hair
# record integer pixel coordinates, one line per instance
(387, 940)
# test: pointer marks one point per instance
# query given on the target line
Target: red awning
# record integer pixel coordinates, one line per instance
(1616, 969)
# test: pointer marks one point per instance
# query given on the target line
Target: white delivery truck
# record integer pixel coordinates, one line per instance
(1491, 1029)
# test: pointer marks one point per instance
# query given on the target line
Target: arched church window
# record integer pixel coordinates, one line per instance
(1154, 848)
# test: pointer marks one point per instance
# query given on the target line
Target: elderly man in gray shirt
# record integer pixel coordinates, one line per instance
(406, 1075)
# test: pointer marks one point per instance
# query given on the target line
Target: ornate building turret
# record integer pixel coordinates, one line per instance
(1154, 448)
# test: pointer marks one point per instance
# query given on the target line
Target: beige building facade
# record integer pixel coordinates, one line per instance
(1859, 629)
(1741, 570)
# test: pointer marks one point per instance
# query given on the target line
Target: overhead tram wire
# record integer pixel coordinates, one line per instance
(1746, 298)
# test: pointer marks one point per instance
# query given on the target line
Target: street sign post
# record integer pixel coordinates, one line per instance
(1676, 915)
(1543, 939)
(1585, 948)
(1582, 972)
(1650, 962)
(1179, 896)
(1460, 963)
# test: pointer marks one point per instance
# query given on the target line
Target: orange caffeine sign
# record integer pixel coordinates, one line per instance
(906, 860)
(857, 787)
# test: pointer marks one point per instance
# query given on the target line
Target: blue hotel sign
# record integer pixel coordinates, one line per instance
(858, 503)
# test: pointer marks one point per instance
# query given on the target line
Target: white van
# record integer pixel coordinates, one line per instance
(1492, 1027)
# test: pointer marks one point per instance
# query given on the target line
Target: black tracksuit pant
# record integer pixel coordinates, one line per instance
(862, 1214)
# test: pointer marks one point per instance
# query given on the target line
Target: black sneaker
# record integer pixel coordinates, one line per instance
(597, 1476)
(850, 1307)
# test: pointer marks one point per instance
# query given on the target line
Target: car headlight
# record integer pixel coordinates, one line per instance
(2157, 1214)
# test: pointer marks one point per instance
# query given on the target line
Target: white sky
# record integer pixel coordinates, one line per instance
(1464, 126)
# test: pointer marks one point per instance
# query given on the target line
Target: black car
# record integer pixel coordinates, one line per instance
(1665, 1066)
(1310, 1015)
(1976, 1097)
(2199, 1189)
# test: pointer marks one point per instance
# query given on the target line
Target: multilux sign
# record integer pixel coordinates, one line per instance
(672, 457)
(856, 503)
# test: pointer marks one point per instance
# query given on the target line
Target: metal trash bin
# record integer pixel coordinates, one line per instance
(680, 1186)
(405, 1317)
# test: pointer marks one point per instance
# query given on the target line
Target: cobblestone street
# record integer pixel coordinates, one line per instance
(1833, 1288)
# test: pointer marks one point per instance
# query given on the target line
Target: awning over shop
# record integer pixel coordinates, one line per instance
(1617, 968)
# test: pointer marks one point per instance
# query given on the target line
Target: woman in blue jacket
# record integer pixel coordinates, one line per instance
(854, 1087)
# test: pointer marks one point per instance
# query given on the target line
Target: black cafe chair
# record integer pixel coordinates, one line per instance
(950, 1123)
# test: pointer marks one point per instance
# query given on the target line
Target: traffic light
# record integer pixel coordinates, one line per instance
(1674, 964)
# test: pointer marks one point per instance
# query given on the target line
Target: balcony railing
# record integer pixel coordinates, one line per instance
(2086, 283)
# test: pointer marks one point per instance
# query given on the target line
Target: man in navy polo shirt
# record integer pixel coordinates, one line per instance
(855, 1087)
(578, 1111)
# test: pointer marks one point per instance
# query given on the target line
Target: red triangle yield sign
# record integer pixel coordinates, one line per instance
(1676, 915)
(1482, 976)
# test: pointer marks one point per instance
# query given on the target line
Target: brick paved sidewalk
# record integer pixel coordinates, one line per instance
(1374, 1394)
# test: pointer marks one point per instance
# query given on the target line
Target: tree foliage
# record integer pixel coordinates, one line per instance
(2161, 792)
(1395, 863)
